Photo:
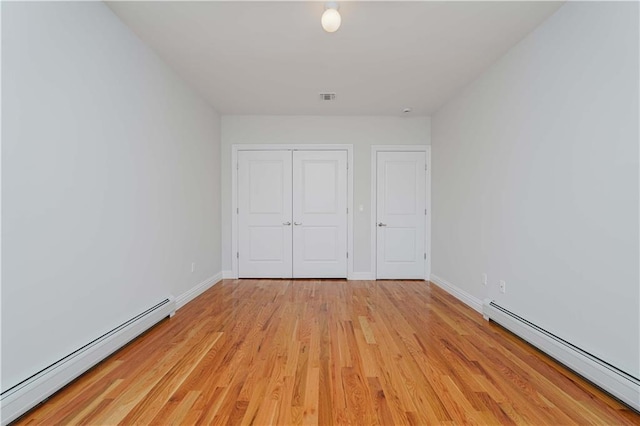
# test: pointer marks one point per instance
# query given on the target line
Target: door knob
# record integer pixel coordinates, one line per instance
(297, 223)
(286, 223)
(382, 224)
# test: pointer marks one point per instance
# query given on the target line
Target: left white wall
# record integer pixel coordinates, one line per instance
(110, 181)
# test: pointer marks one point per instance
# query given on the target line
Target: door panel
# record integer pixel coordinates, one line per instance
(401, 215)
(266, 243)
(264, 209)
(266, 186)
(319, 185)
(321, 243)
(400, 187)
(400, 244)
(320, 214)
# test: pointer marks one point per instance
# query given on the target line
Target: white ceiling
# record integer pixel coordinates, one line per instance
(274, 58)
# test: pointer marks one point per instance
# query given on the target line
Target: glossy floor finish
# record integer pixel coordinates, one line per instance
(323, 352)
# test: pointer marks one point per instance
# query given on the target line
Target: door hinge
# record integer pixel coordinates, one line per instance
(425, 212)
(347, 255)
(347, 210)
(238, 210)
(425, 167)
(237, 255)
(237, 166)
(425, 256)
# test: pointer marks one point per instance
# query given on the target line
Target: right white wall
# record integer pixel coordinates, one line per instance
(535, 181)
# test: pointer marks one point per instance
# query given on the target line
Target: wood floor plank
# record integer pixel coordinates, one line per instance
(329, 352)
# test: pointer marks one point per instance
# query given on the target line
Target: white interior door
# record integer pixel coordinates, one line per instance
(264, 214)
(401, 215)
(320, 214)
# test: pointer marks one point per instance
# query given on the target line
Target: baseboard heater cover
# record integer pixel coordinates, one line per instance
(20, 398)
(618, 383)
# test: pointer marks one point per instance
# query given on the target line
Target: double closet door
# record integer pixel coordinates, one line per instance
(292, 214)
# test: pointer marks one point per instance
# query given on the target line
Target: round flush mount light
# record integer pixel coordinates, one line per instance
(331, 19)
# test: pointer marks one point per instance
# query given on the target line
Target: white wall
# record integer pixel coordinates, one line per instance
(362, 132)
(110, 181)
(535, 181)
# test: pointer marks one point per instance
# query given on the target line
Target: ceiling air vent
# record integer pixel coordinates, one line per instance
(327, 96)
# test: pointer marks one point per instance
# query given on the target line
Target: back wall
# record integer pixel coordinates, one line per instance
(361, 131)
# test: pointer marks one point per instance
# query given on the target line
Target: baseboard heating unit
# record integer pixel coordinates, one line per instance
(18, 399)
(618, 383)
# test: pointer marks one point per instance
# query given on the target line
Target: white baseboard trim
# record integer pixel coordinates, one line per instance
(196, 291)
(354, 276)
(361, 276)
(620, 384)
(458, 293)
(18, 400)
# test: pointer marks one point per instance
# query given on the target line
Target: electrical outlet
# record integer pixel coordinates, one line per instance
(193, 266)
(503, 286)
(484, 279)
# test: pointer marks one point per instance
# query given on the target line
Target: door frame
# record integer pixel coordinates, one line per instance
(375, 149)
(235, 148)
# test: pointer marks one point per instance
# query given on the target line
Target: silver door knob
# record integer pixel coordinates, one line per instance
(382, 224)
(286, 223)
(297, 223)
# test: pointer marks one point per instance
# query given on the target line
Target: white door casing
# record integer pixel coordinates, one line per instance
(264, 214)
(400, 215)
(320, 214)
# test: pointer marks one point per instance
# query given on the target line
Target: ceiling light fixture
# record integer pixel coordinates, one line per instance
(331, 19)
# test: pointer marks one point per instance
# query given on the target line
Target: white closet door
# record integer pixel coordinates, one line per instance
(320, 214)
(401, 215)
(264, 214)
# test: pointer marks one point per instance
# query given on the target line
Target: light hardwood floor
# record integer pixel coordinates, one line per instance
(323, 352)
